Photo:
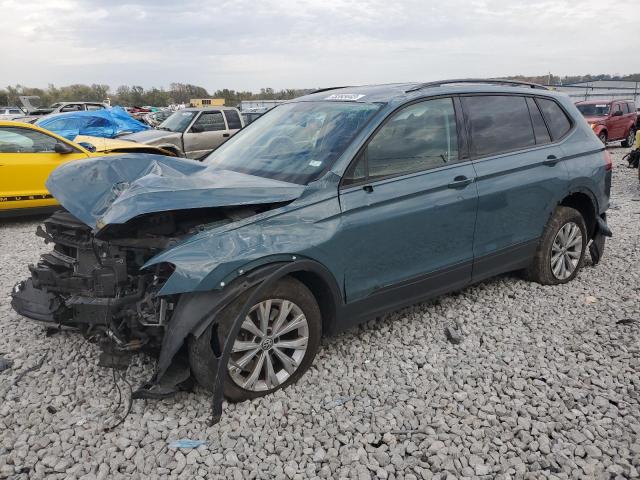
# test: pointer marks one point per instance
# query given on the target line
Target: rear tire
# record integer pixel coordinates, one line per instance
(561, 250)
(631, 138)
(287, 293)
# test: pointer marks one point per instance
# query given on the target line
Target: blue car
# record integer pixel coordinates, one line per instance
(326, 211)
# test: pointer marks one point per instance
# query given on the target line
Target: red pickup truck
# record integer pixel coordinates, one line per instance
(611, 120)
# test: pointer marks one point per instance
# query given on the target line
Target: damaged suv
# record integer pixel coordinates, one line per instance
(326, 211)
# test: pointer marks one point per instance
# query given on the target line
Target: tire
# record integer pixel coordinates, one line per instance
(541, 270)
(202, 358)
(630, 139)
(603, 137)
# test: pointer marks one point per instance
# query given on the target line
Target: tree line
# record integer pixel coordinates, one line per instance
(136, 95)
(177, 93)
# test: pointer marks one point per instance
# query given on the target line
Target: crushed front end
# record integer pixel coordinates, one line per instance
(97, 286)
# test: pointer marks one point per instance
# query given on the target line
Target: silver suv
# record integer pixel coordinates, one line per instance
(192, 132)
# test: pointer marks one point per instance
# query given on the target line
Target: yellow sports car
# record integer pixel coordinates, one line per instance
(28, 154)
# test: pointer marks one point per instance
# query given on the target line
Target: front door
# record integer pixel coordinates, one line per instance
(206, 133)
(27, 157)
(409, 206)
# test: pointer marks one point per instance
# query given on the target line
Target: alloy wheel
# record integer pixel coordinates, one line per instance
(566, 251)
(270, 345)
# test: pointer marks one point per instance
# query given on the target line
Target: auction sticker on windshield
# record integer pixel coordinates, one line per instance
(344, 96)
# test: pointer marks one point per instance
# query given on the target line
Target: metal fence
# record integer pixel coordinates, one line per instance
(588, 92)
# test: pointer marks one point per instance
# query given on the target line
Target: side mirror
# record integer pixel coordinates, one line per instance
(197, 129)
(63, 148)
(617, 113)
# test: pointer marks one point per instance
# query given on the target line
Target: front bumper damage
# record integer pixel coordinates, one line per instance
(97, 288)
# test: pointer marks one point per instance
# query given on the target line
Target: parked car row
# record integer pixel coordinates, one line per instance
(329, 210)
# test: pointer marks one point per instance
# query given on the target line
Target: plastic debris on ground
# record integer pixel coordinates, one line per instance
(186, 443)
(5, 364)
(106, 123)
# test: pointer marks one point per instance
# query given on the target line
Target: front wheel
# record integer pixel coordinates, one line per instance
(631, 138)
(603, 137)
(276, 344)
(561, 250)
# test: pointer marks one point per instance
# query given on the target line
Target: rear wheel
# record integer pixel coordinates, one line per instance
(276, 344)
(631, 138)
(561, 250)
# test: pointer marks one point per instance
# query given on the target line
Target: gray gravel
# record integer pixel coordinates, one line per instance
(545, 384)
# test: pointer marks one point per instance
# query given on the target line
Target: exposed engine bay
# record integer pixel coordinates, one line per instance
(95, 283)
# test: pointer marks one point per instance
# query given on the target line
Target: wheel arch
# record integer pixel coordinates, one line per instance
(584, 201)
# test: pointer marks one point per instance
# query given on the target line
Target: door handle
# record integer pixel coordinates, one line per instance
(551, 160)
(368, 188)
(460, 182)
(225, 134)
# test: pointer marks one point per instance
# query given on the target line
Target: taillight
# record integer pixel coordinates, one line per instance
(607, 160)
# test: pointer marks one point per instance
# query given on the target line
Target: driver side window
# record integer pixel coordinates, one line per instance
(419, 137)
(22, 140)
(210, 122)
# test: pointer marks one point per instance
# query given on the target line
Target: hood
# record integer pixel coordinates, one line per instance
(148, 136)
(113, 190)
(107, 144)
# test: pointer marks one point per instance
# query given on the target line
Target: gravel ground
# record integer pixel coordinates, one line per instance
(545, 384)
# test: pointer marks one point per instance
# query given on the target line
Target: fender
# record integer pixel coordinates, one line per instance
(599, 128)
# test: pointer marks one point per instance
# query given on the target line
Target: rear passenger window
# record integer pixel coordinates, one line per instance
(233, 119)
(539, 128)
(557, 121)
(625, 108)
(498, 123)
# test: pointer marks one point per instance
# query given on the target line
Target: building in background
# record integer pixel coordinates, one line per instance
(206, 102)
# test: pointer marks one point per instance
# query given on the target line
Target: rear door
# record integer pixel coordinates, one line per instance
(207, 132)
(27, 157)
(409, 206)
(520, 179)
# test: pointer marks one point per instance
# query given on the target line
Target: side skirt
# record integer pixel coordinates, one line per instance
(434, 284)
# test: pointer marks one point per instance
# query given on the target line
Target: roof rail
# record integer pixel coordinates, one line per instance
(327, 89)
(493, 81)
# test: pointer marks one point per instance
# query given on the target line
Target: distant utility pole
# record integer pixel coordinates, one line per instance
(549, 81)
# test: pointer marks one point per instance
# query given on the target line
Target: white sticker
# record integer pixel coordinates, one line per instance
(344, 96)
(601, 106)
(315, 163)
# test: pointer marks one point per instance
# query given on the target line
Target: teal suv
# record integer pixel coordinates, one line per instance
(326, 211)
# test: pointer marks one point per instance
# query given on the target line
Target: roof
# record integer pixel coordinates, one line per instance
(391, 91)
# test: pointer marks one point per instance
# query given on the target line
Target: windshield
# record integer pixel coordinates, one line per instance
(178, 122)
(594, 109)
(294, 142)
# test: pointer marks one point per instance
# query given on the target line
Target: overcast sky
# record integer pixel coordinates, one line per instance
(244, 44)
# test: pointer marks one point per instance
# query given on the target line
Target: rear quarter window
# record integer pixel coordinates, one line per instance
(557, 121)
(498, 123)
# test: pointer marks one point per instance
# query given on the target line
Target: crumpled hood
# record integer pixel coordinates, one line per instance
(113, 190)
(149, 136)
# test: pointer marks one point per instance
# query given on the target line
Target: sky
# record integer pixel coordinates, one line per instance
(245, 45)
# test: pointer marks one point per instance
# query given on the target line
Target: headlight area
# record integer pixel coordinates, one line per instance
(98, 288)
